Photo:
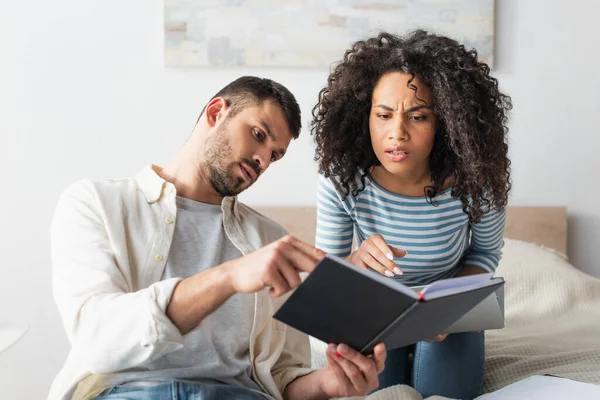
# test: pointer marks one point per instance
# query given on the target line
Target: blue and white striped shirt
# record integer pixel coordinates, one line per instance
(439, 239)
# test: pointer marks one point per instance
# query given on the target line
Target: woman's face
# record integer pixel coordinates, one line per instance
(402, 125)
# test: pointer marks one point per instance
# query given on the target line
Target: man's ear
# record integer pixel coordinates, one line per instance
(216, 110)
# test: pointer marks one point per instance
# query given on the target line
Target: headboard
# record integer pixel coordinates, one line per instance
(546, 226)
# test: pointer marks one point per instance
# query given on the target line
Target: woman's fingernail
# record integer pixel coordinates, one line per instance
(405, 253)
(390, 256)
(343, 348)
(398, 271)
(388, 273)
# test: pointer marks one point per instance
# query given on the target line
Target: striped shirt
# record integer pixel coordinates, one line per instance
(439, 238)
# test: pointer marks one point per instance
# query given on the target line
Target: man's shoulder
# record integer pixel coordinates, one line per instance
(101, 188)
(106, 200)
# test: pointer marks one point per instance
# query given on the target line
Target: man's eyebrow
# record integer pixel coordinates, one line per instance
(267, 129)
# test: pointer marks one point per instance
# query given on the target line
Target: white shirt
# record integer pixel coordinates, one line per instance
(217, 351)
(110, 241)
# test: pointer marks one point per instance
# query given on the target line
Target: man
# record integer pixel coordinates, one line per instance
(166, 284)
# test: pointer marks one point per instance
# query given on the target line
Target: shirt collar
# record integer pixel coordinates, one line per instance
(153, 186)
(151, 183)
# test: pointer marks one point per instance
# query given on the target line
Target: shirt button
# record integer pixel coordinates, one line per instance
(158, 257)
(169, 220)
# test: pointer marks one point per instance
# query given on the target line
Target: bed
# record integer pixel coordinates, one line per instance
(552, 309)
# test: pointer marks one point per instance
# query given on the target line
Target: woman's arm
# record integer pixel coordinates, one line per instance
(487, 240)
(334, 224)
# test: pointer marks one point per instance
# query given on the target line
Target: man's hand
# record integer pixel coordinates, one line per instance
(349, 373)
(277, 265)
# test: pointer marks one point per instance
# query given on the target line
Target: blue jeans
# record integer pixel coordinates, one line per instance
(182, 391)
(453, 368)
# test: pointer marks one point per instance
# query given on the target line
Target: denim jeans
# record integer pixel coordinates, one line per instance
(453, 368)
(182, 391)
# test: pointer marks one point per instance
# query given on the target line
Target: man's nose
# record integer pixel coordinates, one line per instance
(261, 162)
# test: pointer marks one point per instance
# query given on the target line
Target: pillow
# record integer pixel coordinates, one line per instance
(540, 283)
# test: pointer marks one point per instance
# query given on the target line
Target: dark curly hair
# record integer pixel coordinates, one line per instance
(470, 144)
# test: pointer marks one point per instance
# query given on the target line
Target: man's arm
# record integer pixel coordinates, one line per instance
(307, 387)
(110, 326)
(198, 296)
(113, 328)
(277, 265)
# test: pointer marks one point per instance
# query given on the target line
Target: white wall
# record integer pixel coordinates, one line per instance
(547, 60)
(83, 93)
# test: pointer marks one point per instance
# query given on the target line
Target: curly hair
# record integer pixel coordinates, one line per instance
(470, 144)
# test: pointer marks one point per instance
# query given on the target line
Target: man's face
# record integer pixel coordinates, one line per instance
(242, 147)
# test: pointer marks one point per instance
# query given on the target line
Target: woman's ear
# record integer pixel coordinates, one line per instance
(216, 110)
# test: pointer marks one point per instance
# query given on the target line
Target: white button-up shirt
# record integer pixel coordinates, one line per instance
(110, 240)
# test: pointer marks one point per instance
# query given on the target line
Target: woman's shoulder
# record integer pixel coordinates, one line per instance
(351, 189)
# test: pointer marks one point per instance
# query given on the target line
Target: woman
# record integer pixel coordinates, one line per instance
(411, 137)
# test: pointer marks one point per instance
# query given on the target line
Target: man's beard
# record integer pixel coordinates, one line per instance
(220, 169)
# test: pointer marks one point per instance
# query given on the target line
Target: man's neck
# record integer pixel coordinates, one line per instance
(190, 181)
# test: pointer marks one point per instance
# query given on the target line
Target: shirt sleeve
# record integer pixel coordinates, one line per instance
(111, 326)
(294, 360)
(334, 224)
(485, 249)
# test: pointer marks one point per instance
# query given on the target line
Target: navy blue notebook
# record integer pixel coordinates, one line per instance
(341, 303)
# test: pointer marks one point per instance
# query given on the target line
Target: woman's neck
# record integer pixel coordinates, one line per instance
(412, 185)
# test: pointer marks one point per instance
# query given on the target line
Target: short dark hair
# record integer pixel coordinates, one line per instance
(251, 90)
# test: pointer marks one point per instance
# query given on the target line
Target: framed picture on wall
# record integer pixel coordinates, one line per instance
(309, 33)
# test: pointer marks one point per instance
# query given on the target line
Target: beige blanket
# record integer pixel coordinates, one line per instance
(552, 323)
(552, 320)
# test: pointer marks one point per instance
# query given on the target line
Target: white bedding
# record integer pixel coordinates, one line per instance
(552, 323)
(540, 387)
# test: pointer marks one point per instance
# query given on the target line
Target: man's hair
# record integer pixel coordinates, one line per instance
(250, 91)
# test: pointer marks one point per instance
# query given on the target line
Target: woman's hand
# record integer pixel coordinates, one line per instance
(438, 338)
(375, 253)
